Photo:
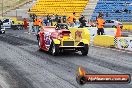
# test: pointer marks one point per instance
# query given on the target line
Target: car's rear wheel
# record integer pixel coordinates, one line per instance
(54, 49)
(85, 50)
(4, 32)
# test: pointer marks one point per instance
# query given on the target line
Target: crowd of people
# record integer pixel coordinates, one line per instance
(50, 20)
(36, 22)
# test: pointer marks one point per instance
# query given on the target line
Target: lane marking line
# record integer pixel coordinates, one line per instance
(114, 49)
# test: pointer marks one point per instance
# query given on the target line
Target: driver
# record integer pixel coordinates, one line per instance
(61, 26)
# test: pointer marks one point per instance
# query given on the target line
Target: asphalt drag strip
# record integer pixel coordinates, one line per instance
(12, 78)
(22, 60)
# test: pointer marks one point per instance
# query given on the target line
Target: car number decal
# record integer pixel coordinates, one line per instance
(78, 35)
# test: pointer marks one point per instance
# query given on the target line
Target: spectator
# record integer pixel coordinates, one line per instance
(83, 22)
(34, 16)
(45, 21)
(107, 15)
(36, 25)
(40, 22)
(64, 19)
(30, 25)
(56, 17)
(53, 18)
(59, 20)
(81, 18)
(126, 10)
(101, 14)
(25, 23)
(117, 11)
(100, 25)
(48, 20)
(72, 19)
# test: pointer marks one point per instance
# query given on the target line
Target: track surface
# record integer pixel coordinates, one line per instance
(23, 66)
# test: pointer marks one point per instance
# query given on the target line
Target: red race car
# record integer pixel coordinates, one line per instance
(59, 38)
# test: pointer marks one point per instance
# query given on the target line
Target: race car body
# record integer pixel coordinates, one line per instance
(58, 39)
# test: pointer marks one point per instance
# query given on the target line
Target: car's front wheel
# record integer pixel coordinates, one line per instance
(39, 44)
(54, 49)
(85, 50)
(4, 32)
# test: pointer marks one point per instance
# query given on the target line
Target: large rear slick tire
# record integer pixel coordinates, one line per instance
(85, 50)
(39, 44)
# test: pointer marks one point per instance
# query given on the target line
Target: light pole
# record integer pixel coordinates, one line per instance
(2, 7)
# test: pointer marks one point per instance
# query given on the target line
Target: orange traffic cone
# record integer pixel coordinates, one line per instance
(118, 32)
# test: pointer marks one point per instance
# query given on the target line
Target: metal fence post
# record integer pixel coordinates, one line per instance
(2, 7)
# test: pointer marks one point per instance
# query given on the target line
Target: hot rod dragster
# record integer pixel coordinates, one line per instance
(58, 39)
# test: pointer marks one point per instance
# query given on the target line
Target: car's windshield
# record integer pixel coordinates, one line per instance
(61, 26)
(6, 20)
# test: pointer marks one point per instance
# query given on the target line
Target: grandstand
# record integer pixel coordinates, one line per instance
(59, 7)
(120, 10)
(89, 9)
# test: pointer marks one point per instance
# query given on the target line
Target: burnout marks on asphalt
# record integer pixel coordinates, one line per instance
(13, 77)
(15, 40)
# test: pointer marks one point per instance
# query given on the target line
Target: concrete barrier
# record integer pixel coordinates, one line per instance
(104, 40)
(107, 31)
(127, 27)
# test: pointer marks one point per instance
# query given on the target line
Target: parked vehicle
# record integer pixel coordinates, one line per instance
(11, 23)
(112, 24)
(7, 23)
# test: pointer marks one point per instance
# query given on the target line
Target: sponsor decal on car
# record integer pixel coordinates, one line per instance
(78, 35)
(47, 38)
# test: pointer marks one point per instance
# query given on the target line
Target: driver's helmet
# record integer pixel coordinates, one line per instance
(63, 27)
